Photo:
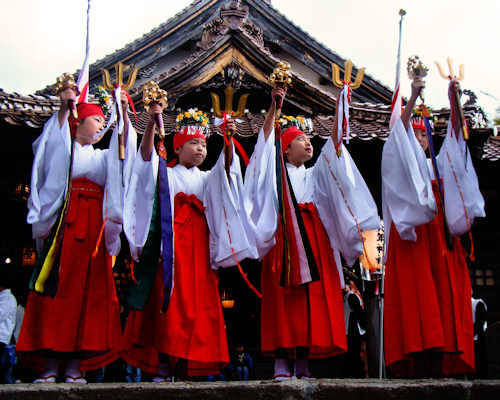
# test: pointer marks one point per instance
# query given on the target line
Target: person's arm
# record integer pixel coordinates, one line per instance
(229, 149)
(416, 86)
(124, 101)
(334, 134)
(63, 113)
(271, 114)
(147, 142)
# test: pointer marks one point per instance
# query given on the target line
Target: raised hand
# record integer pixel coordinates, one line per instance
(67, 94)
(124, 104)
(68, 97)
(230, 127)
(417, 86)
(155, 108)
(278, 94)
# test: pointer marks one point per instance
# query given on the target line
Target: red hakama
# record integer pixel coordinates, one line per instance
(427, 300)
(193, 327)
(310, 315)
(84, 316)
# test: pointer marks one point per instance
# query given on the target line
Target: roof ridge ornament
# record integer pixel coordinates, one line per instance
(233, 16)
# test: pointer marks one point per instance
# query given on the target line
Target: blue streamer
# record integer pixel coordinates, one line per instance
(167, 233)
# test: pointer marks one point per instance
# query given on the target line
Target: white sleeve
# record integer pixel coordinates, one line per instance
(344, 202)
(7, 319)
(48, 176)
(226, 216)
(118, 175)
(138, 204)
(462, 199)
(260, 194)
(407, 197)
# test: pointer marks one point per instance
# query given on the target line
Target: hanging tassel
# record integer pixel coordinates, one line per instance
(471, 254)
(358, 229)
(132, 273)
(99, 239)
(245, 277)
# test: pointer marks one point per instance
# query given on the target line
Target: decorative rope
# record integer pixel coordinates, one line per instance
(365, 253)
(471, 255)
(245, 277)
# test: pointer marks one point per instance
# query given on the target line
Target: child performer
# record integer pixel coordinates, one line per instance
(307, 321)
(72, 315)
(178, 329)
(428, 323)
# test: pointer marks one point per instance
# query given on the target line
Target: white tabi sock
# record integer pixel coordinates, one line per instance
(50, 368)
(302, 368)
(73, 368)
(281, 368)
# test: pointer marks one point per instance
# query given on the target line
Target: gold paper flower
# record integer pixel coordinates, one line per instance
(64, 82)
(153, 94)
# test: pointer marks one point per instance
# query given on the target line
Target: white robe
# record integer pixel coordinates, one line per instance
(50, 174)
(407, 197)
(8, 308)
(463, 201)
(222, 200)
(334, 185)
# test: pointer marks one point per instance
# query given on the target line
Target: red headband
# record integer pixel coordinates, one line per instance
(418, 123)
(186, 134)
(288, 136)
(84, 110)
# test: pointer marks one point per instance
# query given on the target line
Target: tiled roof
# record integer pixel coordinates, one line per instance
(367, 121)
(32, 110)
(491, 149)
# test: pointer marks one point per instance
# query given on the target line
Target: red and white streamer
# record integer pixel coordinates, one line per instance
(343, 122)
(83, 77)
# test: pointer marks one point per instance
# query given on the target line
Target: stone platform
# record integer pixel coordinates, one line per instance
(301, 390)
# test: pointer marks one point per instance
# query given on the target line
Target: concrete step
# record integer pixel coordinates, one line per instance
(320, 389)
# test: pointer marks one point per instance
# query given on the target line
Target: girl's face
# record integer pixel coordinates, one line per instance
(192, 153)
(421, 136)
(299, 151)
(88, 128)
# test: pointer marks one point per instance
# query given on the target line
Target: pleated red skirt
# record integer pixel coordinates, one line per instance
(193, 326)
(84, 316)
(311, 315)
(427, 301)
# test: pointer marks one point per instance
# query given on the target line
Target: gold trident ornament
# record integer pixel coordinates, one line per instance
(449, 60)
(228, 103)
(280, 77)
(153, 94)
(347, 76)
(106, 82)
(460, 77)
